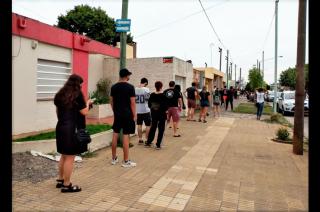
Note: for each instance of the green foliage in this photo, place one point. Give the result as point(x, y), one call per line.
point(248, 87)
point(279, 119)
point(92, 129)
point(102, 93)
point(268, 87)
point(288, 77)
point(283, 134)
point(92, 22)
point(276, 117)
point(251, 109)
point(255, 79)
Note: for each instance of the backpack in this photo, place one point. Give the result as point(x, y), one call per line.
point(216, 97)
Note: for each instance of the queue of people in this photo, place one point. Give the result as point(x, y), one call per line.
point(131, 106)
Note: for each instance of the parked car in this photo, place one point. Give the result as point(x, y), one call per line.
point(286, 103)
point(270, 96)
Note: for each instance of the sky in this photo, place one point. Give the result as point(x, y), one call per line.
point(180, 28)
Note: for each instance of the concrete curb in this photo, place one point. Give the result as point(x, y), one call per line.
point(99, 141)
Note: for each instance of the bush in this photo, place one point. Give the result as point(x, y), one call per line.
point(276, 117)
point(102, 93)
point(283, 134)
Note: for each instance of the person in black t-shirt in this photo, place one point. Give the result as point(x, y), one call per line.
point(205, 102)
point(224, 95)
point(230, 95)
point(191, 96)
point(174, 102)
point(123, 104)
point(71, 110)
point(158, 105)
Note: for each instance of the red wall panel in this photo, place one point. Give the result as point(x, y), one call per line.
point(80, 67)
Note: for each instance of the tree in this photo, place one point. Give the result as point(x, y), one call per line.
point(268, 87)
point(300, 87)
point(288, 77)
point(248, 87)
point(91, 22)
point(255, 79)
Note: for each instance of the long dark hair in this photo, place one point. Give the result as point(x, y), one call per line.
point(66, 96)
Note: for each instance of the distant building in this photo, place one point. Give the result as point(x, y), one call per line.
point(209, 77)
point(164, 69)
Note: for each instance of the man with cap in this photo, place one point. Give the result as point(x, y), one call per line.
point(123, 104)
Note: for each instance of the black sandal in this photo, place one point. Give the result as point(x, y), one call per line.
point(70, 188)
point(59, 183)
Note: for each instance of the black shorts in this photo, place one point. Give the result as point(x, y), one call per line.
point(126, 124)
point(144, 117)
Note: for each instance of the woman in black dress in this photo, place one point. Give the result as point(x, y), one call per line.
point(71, 111)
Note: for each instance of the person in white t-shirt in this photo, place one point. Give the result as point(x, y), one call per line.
point(259, 102)
point(143, 111)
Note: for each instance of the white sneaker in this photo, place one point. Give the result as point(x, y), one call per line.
point(129, 164)
point(114, 161)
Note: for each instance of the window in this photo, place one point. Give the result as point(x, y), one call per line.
point(51, 76)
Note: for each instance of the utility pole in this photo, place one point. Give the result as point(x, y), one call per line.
point(299, 96)
point(227, 72)
point(240, 79)
point(258, 64)
point(123, 49)
point(230, 70)
point(262, 65)
point(220, 50)
point(275, 59)
point(235, 73)
point(123, 36)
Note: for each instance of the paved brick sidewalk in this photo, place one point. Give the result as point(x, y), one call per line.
point(226, 164)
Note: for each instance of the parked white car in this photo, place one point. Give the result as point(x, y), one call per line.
point(270, 96)
point(286, 102)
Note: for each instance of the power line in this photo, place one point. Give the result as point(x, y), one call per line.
point(212, 25)
point(267, 36)
point(179, 19)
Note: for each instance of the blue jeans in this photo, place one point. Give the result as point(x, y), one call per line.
point(259, 109)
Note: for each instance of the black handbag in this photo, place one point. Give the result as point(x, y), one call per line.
point(82, 136)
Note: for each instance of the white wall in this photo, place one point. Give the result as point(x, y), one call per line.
point(95, 70)
point(151, 68)
point(30, 115)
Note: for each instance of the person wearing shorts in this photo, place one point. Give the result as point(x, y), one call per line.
point(191, 98)
point(216, 103)
point(204, 104)
point(143, 111)
point(123, 104)
point(174, 103)
point(224, 95)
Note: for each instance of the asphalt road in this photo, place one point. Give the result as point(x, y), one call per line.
point(290, 118)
